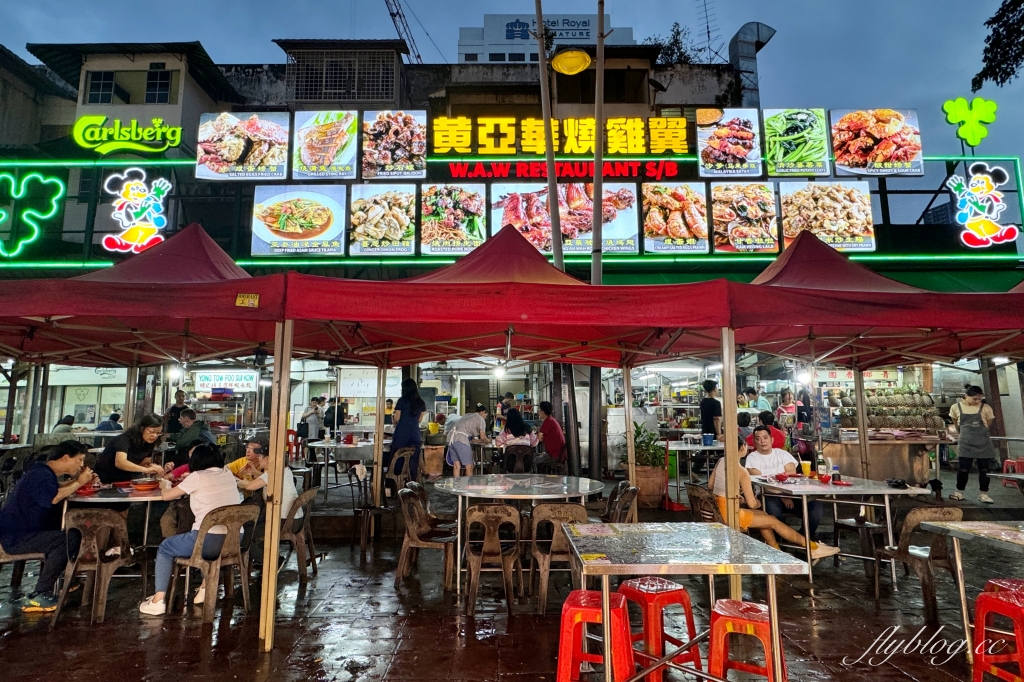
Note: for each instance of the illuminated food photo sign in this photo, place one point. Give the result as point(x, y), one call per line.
point(796, 142)
point(675, 217)
point(139, 209)
point(743, 217)
point(394, 144)
point(325, 145)
point(239, 146)
point(92, 132)
point(876, 142)
point(979, 204)
point(298, 220)
point(382, 220)
point(837, 213)
point(728, 143)
point(453, 219)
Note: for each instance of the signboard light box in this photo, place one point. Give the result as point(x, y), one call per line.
point(240, 382)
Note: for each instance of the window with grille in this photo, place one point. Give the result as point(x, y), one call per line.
point(101, 87)
point(158, 87)
point(517, 56)
point(324, 75)
point(471, 56)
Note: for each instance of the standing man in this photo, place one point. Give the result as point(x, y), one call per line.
point(769, 461)
point(551, 433)
point(460, 448)
point(972, 418)
point(755, 400)
point(501, 412)
point(711, 409)
point(28, 524)
point(172, 423)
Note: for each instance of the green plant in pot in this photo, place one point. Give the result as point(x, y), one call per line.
point(650, 465)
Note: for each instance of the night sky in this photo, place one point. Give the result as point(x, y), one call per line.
point(869, 53)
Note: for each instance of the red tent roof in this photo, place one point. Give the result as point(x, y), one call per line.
point(506, 257)
point(189, 257)
point(809, 263)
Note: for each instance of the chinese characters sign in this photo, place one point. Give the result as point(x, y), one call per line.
point(509, 136)
point(240, 382)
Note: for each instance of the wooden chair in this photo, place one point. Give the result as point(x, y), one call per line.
point(301, 540)
point(705, 510)
point(234, 517)
point(519, 459)
point(102, 530)
point(557, 548)
point(492, 549)
point(922, 560)
point(19, 563)
point(419, 535)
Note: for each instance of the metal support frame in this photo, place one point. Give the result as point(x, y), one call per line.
point(862, 422)
point(627, 402)
point(732, 453)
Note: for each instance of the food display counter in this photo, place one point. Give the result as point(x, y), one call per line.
point(909, 459)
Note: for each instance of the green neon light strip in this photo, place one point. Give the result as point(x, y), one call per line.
point(109, 163)
point(44, 264)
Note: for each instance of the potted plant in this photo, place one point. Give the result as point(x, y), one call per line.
point(650, 465)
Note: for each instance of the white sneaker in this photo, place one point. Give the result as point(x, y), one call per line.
point(200, 595)
point(957, 496)
point(153, 608)
point(986, 499)
point(823, 551)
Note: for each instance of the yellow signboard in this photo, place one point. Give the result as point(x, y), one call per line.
point(247, 301)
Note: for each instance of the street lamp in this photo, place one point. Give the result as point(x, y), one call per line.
point(570, 61)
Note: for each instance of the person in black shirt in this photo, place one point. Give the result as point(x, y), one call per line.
point(131, 453)
point(711, 409)
point(171, 422)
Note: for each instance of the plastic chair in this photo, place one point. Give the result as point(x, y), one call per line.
point(624, 506)
point(231, 554)
point(435, 521)
point(398, 481)
point(102, 530)
point(519, 459)
point(19, 563)
point(419, 535)
point(1012, 466)
point(1004, 585)
point(609, 505)
point(492, 549)
point(1009, 604)
point(294, 444)
point(301, 540)
point(652, 595)
point(582, 607)
point(738, 617)
point(922, 560)
point(557, 548)
point(705, 510)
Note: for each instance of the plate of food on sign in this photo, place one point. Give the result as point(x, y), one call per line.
point(729, 142)
point(877, 142)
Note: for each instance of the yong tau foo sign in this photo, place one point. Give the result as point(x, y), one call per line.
point(94, 132)
point(241, 382)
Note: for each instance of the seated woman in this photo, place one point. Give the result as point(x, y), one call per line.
point(131, 453)
point(209, 486)
point(516, 432)
point(753, 516)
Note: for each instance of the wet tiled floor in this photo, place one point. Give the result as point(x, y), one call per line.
point(349, 623)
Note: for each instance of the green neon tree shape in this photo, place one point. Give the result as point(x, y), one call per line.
point(56, 189)
point(971, 117)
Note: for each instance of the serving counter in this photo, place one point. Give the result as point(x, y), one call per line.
point(907, 459)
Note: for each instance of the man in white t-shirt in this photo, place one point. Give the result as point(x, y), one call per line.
point(769, 461)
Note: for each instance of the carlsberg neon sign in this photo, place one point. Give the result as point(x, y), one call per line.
point(91, 132)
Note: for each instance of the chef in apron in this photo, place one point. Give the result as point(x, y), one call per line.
point(972, 419)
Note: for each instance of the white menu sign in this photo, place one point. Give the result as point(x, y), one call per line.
point(241, 382)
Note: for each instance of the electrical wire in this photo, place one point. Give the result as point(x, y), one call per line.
point(409, 5)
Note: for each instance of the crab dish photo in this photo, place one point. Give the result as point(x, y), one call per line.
point(227, 143)
point(872, 137)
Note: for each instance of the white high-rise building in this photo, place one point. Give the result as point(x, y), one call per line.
point(508, 37)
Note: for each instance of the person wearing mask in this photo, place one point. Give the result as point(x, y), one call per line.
point(131, 453)
point(767, 460)
point(711, 409)
point(171, 422)
point(311, 418)
point(29, 521)
point(209, 486)
point(194, 432)
point(753, 516)
point(755, 400)
point(112, 423)
point(389, 411)
point(551, 434)
point(501, 412)
point(766, 418)
point(64, 425)
point(460, 448)
point(406, 417)
point(972, 418)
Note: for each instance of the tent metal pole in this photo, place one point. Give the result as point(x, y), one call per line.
point(280, 397)
point(44, 396)
point(862, 422)
point(730, 428)
point(130, 394)
point(378, 435)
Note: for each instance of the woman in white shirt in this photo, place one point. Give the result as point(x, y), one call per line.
point(209, 485)
point(972, 419)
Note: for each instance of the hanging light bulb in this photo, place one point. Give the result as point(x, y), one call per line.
point(175, 373)
point(499, 370)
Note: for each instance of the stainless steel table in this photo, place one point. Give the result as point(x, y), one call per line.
point(861, 487)
point(689, 448)
point(512, 487)
point(709, 549)
point(362, 452)
point(1006, 536)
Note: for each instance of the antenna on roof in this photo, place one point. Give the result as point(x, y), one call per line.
point(711, 50)
point(402, 26)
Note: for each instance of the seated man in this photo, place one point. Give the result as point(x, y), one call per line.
point(28, 524)
point(769, 461)
point(112, 423)
point(551, 434)
point(766, 418)
point(194, 431)
point(248, 468)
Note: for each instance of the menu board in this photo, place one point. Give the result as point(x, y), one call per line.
point(675, 217)
point(796, 142)
point(876, 142)
point(298, 219)
point(526, 207)
point(729, 143)
point(838, 213)
point(453, 218)
point(394, 144)
point(744, 217)
point(382, 220)
point(325, 145)
point(239, 146)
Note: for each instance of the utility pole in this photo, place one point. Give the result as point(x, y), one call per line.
point(549, 146)
point(594, 454)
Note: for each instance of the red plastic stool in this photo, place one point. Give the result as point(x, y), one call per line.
point(1011, 466)
point(1005, 585)
point(580, 608)
point(653, 595)
point(731, 616)
point(1009, 605)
